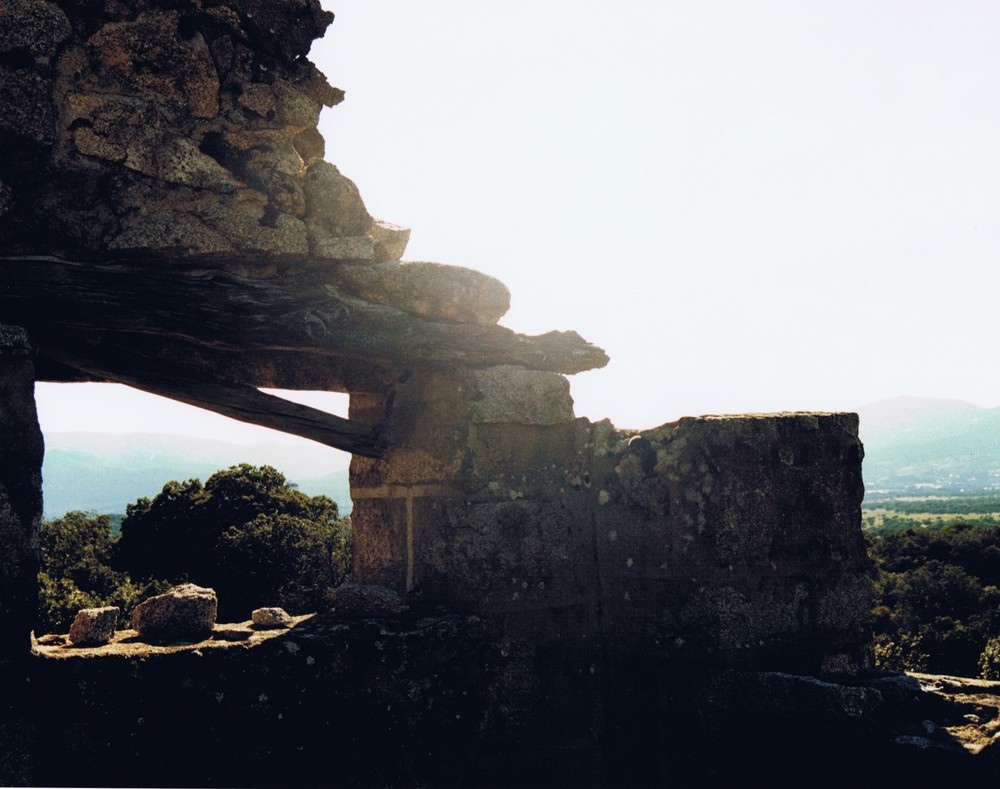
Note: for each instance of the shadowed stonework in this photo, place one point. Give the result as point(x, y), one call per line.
point(542, 600)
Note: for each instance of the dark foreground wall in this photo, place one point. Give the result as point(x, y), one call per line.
point(20, 514)
point(435, 699)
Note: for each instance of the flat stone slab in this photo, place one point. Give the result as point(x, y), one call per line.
point(128, 643)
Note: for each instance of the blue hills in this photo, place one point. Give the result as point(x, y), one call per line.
point(99, 472)
point(923, 446)
point(913, 446)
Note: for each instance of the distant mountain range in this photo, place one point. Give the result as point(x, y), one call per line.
point(913, 446)
point(923, 446)
point(102, 473)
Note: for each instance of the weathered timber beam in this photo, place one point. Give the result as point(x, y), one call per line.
point(244, 403)
point(257, 368)
point(304, 312)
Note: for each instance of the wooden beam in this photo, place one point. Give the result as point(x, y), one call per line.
point(244, 403)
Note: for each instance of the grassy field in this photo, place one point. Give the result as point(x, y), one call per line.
point(929, 512)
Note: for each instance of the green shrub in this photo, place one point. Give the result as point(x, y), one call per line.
point(989, 660)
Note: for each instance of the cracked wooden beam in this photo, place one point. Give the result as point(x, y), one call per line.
point(244, 403)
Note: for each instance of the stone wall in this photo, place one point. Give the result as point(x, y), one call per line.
point(578, 592)
point(180, 129)
point(20, 516)
point(430, 698)
point(20, 493)
point(733, 540)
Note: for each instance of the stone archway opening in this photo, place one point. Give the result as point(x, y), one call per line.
point(109, 446)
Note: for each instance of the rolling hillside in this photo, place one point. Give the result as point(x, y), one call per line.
point(923, 446)
point(102, 473)
point(913, 446)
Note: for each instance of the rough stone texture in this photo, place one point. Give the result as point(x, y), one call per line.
point(94, 626)
point(183, 612)
point(430, 290)
point(123, 123)
point(726, 541)
point(441, 699)
point(629, 602)
point(270, 618)
point(390, 240)
point(20, 516)
point(354, 600)
point(20, 493)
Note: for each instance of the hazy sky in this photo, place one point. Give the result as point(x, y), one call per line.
point(750, 206)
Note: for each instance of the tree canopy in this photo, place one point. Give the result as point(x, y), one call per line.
point(75, 572)
point(246, 532)
point(938, 602)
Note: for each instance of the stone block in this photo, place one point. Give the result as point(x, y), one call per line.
point(185, 612)
point(94, 626)
point(430, 290)
point(266, 618)
point(33, 26)
point(334, 208)
point(390, 240)
point(359, 600)
point(149, 56)
point(513, 395)
point(347, 248)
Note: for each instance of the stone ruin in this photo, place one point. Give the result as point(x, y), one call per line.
point(601, 605)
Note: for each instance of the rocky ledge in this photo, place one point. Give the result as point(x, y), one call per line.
point(127, 643)
point(435, 698)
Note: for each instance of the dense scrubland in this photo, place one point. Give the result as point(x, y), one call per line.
point(246, 532)
point(937, 561)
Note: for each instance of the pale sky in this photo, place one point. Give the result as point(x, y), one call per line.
point(751, 206)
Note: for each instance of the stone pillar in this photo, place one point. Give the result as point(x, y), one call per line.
point(468, 502)
point(21, 450)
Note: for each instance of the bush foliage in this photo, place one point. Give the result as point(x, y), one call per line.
point(247, 533)
point(938, 602)
point(75, 571)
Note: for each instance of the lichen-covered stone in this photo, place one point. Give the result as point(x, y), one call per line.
point(184, 612)
point(728, 541)
point(6, 198)
point(155, 55)
point(25, 97)
point(94, 626)
point(513, 395)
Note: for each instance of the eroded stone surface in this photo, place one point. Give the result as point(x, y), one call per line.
point(186, 611)
point(357, 600)
point(112, 99)
point(470, 703)
point(730, 541)
point(267, 618)
point(430, 290)
point(21, 450)
point(94, 626)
